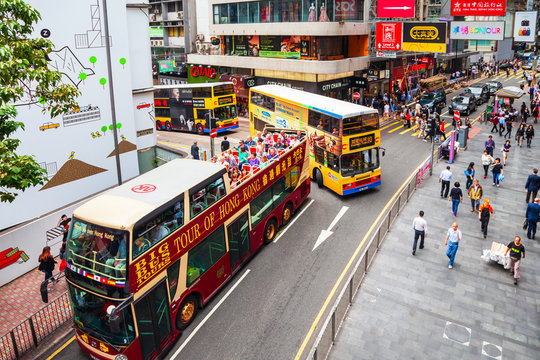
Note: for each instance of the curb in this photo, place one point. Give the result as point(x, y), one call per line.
point(58, 337)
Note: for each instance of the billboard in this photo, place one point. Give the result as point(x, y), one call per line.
point(202, 74)
point(478, 8)
point(477, 30)
point(525, 26)
point(388, 36)
point(394, 9)
point(430, 37)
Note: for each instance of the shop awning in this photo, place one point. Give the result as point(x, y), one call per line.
point(510, 92)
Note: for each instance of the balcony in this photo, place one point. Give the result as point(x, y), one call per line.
point(296, 28)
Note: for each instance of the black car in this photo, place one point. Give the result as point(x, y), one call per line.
point(464, 103)
point(493, 86)
point(431, 99)
point(505, 65)
point(481, 91)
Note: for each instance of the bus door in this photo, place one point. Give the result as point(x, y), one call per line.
point(154, 321)
point(239, 243)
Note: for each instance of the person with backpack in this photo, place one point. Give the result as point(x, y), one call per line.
point(469, 173)
point(485, 210)
point(47, 263)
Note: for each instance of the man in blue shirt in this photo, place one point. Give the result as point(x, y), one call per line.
point(532, 185)
point(533, 216)
point(453, 237)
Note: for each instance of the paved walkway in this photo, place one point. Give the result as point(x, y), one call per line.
point(21, 298)
point(414, 307)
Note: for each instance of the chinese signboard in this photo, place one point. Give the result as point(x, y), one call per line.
point(430, 37)
point(388, 36)
point(202, 74)
point(395, 9)
point(525, 26)
point(477, 30)
point(156, 32)
point(166, 66)
point(478, 8)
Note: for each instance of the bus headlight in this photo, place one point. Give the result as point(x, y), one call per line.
point(121, 357)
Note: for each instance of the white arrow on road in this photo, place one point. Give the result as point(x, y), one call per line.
point(325, 234)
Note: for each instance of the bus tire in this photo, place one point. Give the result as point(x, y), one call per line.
point(187, 312)
point(200, 129)
point(158, 125)
point(168, 126)
point(287, 214)
point(318, 178)
point(270, 231)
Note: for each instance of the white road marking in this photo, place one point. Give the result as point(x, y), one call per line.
point(325, 234)
point(292, 222)
point(209, 314)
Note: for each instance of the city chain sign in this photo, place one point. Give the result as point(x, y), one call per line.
point(478, 8)
point(388, 36)
point(477, 30)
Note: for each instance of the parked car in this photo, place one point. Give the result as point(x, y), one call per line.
point(493, 86)
point(432, 99)
point(505, 65)
point(481, 91)
point(464, 103)
point(528, 65)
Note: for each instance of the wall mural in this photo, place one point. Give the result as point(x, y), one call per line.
point(72, 170)
point(94, 37)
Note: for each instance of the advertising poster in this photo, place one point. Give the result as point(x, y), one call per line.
point(181, 105)
point(345, 9)
point(388, 36)
point(525, 26)
point(477, 30)
point(202, 74)
point(308, 47)
point(395, 9)
point(288, 47)
point(478, 8)
point(245, 45)
point(430, 37)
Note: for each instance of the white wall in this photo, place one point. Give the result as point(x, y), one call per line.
point(204, 14)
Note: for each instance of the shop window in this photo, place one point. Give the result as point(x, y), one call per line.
point(223, 14)
point(253, 12)
point(233, 13)
point(243, 13)
point(206, 254)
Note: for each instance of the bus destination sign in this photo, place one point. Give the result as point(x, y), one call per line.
point(362, 141)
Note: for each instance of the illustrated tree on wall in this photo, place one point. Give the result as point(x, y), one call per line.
point(24, 60)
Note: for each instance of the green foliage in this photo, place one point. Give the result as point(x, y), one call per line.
point(23, 63)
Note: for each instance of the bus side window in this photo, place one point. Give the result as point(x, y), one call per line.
point(172, 276)
point(202, 198)
point(206, 254)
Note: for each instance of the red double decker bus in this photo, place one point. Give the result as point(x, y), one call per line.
point(144, 257)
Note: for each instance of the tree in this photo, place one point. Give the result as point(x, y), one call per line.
point(23, 66)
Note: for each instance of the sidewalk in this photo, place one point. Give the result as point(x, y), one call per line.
point(414, 307)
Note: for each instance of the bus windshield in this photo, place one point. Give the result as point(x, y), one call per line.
point(359, 162)
point(225, 89)
point(361, 123)
point(98, 250)
point(90, 315)
point(225, 112)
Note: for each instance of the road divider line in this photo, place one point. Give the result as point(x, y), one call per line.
point(292, 222)
point(209, 314)
point(348, 266)
point(399, 127)
point(406, 131)
point(392, 124)
point(61, 348)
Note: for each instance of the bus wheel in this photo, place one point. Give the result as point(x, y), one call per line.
point(158, 125)
point(287, 214)
point(318, 178)
point(270, 231)
point(200, 129)
point(168, 126)
point(187, 312)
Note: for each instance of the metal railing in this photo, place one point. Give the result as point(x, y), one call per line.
point(32, 331)
point(334, 320)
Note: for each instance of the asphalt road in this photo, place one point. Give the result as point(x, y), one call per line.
point(268, 308)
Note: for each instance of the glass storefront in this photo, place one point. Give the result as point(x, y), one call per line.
point(288, 11)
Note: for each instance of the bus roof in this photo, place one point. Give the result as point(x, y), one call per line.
point(176, 86)
point(337, 108)
point(124, 205)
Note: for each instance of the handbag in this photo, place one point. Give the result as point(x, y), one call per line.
point(63, 264)
point(500, 177)
point(525, 224)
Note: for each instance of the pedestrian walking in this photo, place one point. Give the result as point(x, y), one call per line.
point(495, 122)
point(506, 150)
point(453, 237)
point(456, 196)
point(442, 129)
point(469, 174)
point(489, 145)
point(509, 125)
point(225, 144)
point(517, 251)
point(195, 151)
point(497, 171)
point(532, 185)
point(444, 179)
point(64, 223)
point(485, 211)
point(533, 216)
point(487, 160)
point(46, 263)
point(420, 230)
point(529, 134)
point(475, 194)
point(520, 133)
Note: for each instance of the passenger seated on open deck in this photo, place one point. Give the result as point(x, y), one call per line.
point(242, 156)
point(245, 174)
point(249, 142)
point(259, 136)
point(260, 146)
point(264, 162)
point(253, 160)
point(279, 144)
point(268, 142)
point(272, 154)
point(234, 180)
point(299, 135)
point(293, 141)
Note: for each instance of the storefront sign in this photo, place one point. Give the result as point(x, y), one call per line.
point(294, 84)
point(360, 82)
point(386, 54)
point(429, 37)
point(280, 54)
point(166, 66)
point(525, 26)
point(345, 9)
point(477, 30)
point(388, 36)
point(478, 8)
point(202, 74)
point(156, 32)
point(395, 9)
point(334, 85)
point(145, 132)
point(361, 141)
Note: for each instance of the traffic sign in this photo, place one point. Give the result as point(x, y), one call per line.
point(356, 96)
point(213, 133)
point(456, 115)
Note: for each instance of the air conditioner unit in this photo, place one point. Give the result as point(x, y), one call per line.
point(180, 15)
point(153, 17)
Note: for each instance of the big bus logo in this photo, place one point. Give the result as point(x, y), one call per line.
point(143, 188)
point(197, 71)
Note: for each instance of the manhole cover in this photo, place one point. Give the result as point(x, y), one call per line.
point(491, 350)
point(457, 333)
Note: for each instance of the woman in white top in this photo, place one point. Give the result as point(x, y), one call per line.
point(487, 160)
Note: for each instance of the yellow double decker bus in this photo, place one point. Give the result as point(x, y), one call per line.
point(344, 138)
